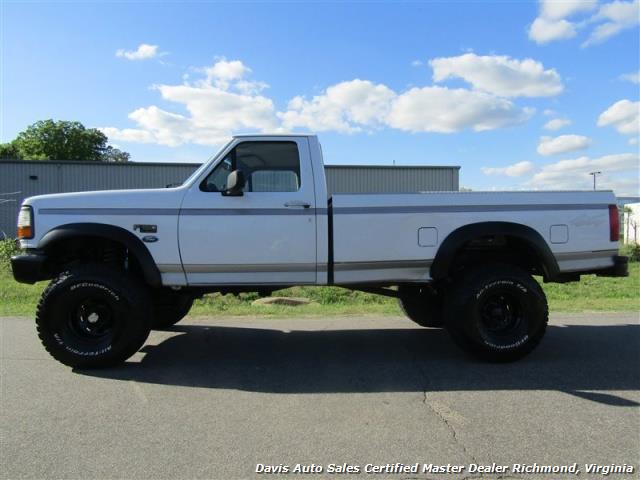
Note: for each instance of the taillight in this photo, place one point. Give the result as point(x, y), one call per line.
point(614, 223)
point(25, 223)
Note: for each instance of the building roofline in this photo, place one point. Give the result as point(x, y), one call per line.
point(120, 164)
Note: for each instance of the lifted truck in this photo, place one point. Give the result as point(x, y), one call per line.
point(257, 217)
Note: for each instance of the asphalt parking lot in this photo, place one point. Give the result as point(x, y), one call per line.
point(216, 396)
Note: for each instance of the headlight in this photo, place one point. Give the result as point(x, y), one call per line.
point(26, 228)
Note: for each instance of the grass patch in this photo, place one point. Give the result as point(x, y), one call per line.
point(325, 301)
point(8, 247)
point(593, 293)
point(18, 298)
point(590, 294)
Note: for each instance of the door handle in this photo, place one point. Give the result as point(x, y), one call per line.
point(297, 204)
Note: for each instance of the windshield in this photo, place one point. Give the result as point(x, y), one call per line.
point(200, 169)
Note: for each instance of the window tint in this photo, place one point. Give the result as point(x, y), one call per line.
point(267, 167)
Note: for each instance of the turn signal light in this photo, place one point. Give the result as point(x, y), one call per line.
point(25, 232)
point(25, 223)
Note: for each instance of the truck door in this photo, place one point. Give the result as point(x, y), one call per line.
point(265, 236)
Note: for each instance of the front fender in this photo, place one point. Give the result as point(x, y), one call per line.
point(110, 232)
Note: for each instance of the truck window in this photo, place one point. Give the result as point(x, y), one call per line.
point(267, 167)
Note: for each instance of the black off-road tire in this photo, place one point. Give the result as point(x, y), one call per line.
point(496, 312)
point(422, 304)
point(93, 316)
point(169, 308)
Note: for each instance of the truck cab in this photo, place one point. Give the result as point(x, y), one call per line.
point(271, 229)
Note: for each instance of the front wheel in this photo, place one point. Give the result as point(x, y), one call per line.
point(93, 316)
point(497, 312)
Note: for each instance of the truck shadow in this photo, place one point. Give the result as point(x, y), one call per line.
point(587, 361)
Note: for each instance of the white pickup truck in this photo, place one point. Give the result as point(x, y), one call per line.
point(257, 217)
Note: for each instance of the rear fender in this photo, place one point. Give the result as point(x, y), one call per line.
point(458, 238)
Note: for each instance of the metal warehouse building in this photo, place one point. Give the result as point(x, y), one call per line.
point(21, 179)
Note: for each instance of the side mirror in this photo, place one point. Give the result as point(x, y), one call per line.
point(235, 184)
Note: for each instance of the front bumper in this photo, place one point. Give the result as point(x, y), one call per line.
point(29, 267)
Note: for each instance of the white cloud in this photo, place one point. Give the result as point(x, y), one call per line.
point(556, 20)
point(556, 124)
point(344, 107)
point(515, 170)
point(619, 173)
point(633, 141)
point(562, 144)
point(143, 52)
point(444, 110)
point(227, 70)
point(166, 128)
point(631, 77)
point(551, 23)
point(543, 30)
point(500, 75)
point(623, 115)
point(620, 184)
point(224, 100)
point(558, 9)
point(249, 87)
point(218, 106)
point(617, 16)
point(359, 105)
point(417, 63)
point(548, 112)
point(223, 72)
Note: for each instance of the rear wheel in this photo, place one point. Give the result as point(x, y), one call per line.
point(422, 304)
point(497, 312)
point(93, 316)
point(169, 308)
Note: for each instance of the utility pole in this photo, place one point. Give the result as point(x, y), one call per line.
point(595, 174)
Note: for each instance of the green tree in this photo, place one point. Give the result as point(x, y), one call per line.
point(112, 154)
point(9, 151)
point(62, 140)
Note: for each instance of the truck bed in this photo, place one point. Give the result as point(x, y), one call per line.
point(395, 237)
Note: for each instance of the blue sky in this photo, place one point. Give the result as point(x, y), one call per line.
point(473, 84)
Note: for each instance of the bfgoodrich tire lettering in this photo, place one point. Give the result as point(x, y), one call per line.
point(497, 312)
point(93, 316)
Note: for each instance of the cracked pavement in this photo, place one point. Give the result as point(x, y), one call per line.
point(215, 396)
